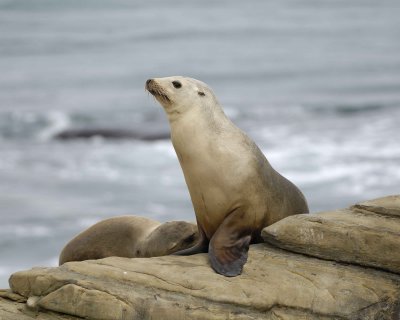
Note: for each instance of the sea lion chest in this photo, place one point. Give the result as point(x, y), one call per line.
point(208, 156)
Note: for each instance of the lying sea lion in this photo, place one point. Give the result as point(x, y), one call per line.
point(129, 236)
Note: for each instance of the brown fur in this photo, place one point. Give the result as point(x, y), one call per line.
point(129, 236)
point(234, 190)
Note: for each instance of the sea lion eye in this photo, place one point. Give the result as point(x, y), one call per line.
point(176, 84)
point(201, 93)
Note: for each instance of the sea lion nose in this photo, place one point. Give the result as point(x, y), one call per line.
point(148, 82)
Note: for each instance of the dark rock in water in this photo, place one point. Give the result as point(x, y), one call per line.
point(72, 134)
point(350, 109)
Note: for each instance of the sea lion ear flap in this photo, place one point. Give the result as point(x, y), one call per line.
point(201, 93)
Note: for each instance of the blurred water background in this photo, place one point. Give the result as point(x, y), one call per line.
point(315, 83)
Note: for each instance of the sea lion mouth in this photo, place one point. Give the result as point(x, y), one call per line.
point(157, 91)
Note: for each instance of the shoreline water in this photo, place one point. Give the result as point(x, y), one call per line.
point(316, 86)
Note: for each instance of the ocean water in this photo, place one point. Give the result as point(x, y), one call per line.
point(315, 83)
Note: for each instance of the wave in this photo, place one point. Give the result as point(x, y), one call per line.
point(111, 133)
point(351, 109)
point(26, 231)
point(45, 126)
point(28, 124)
point(57, 121)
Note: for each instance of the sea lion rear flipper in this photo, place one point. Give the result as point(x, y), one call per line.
point(200, 247)
point(229, 247)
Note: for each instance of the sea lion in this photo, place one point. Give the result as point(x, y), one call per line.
point(129, 236)
point(234, 190)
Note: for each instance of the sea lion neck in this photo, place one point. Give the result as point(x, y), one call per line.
point(210, 118)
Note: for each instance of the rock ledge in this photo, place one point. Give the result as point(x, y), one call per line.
point(290, 282)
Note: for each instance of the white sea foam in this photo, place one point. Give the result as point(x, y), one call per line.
point(157, 208)
point(232, 113)
point(87, 222)
point(57, 121)
point(165, 147)
point(4, 271)
point(26, 231)
point(52, 262)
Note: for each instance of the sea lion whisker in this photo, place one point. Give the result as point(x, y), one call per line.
point(158, 92)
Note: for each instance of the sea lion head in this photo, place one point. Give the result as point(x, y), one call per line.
point(179, 94)
point(169, 237)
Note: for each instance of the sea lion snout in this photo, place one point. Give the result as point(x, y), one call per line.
point(157, 91)
point(148, 83)
point(150, 86)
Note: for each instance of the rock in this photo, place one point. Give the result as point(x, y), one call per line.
point(367, 234)
point(274, 285)
point(145, 135)
point(12, 310)
point(8, 294)
point(389, 205)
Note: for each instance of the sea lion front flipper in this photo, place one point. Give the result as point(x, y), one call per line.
point(200, 247)
point(229, 247)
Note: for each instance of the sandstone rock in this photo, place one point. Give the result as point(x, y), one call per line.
point(8, 294)
point(274, 285)
point(12, 310)
point(367, 234)
point(389, 205)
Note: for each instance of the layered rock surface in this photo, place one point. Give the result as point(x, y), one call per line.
point(275, 284)
point(13, 310)
point(367, 234)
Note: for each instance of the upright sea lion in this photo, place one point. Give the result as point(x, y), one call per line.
point(234, 190)
point(129, 236)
